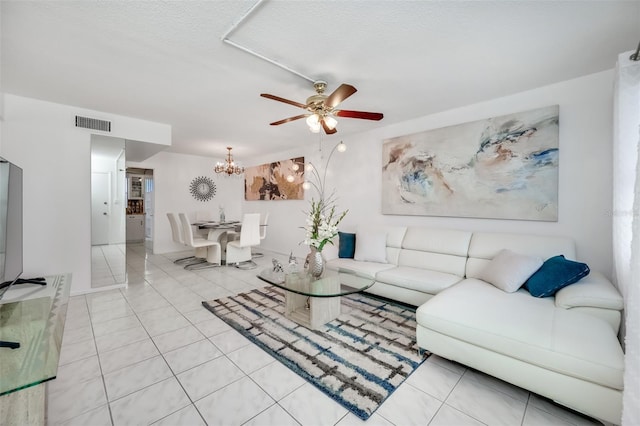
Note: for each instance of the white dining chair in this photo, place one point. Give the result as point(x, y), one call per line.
point(239, 251)
point(176, 236)
point(264, 219)
point(204, 248)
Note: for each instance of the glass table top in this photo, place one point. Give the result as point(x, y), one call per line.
point(331, 284)
point(33, 316)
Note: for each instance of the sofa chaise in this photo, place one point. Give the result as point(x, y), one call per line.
point(563, 347)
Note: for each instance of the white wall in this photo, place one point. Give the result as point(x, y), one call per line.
point(55, 157)
point(172, 175)
point(584, 182)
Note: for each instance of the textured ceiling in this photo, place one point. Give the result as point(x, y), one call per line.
point(166, 62)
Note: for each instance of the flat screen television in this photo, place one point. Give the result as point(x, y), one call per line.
point(10, 224)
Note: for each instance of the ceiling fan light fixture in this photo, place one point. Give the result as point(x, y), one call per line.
point(330, 122)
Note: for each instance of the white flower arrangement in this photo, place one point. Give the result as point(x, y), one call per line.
point(322, 221)
point(322, 224)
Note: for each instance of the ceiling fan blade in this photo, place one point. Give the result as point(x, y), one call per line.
point(326, 128)
point(286, 120)
point(358, 114)
point(339, 95)
point(286, 101)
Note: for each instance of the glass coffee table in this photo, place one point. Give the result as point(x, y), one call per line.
point(313, 302)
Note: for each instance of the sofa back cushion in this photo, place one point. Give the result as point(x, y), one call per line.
point(443, 250)
point(394, 237)
point(485, 245)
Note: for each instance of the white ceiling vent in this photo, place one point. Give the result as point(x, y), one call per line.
point(93, 123)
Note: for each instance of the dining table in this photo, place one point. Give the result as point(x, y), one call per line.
point(222, 232)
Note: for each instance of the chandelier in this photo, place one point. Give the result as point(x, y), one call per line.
point(228, 167)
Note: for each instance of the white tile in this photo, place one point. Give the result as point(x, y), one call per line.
point(250, 358)
point(147, 305)
point(126, 355)
point(199, 315)
point(95, 306)
point(188, 416)
point(213, 326)
point(97, 417)
point(76, 351)
point(177, 338)
point(209, 377)
point(77, 320)
point(277, 380)
point(274, 415)
point(109, 314)
point(135, 377)
point(409, 406)
point(485, 403)
point(497, 384)
point(449, 365)
point(75, 400)
point(448, 416)
point(160, 326)
point(375, 420)
point(113, 326)
point(225, 408)
point(434, 380)
point(192, 355)
point(122, 338)
point(149, 404)
point(229, 341)
point(536, 417)
point(75, 372)
point(560, 411)
point(323, 410)
point(158, 313)
point(77, 335)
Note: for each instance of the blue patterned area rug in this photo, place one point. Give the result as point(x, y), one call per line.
point(358, 359)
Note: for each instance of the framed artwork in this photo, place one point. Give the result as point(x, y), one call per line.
point(502, 168)
point(281, 180)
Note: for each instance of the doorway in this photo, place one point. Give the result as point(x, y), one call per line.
point(140, 206)
point(108, 250)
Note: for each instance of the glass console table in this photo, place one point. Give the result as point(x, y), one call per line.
point(33, 316)
point(314, 302)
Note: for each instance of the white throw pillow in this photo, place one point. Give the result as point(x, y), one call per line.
point(371, 246)
point(509, 270)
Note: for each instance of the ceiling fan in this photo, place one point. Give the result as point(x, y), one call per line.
point(321, 108)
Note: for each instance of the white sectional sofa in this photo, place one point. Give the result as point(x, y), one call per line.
point(563, 347)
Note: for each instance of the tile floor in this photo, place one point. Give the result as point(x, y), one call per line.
point(151, 354)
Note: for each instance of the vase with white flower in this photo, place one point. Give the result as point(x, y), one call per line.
point(322, 219)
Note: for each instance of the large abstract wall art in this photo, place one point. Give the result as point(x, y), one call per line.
point(281, 180)
point(503, 168)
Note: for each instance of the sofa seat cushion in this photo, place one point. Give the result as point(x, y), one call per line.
point(367, 268)
point(418, 279)
point(530, 329)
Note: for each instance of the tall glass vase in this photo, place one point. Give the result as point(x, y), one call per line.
point(315, 262)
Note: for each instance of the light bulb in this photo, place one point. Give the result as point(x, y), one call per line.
point(295, 167)
point(341, 147)
point(290, 178)
point(309, 167)
point(306, 185)
point(330, 122)
point(313, 120)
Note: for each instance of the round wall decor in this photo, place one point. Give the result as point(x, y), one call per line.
point(202, 188)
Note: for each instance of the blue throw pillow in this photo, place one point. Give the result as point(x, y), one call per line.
point(346, 245)
point(554, 274)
